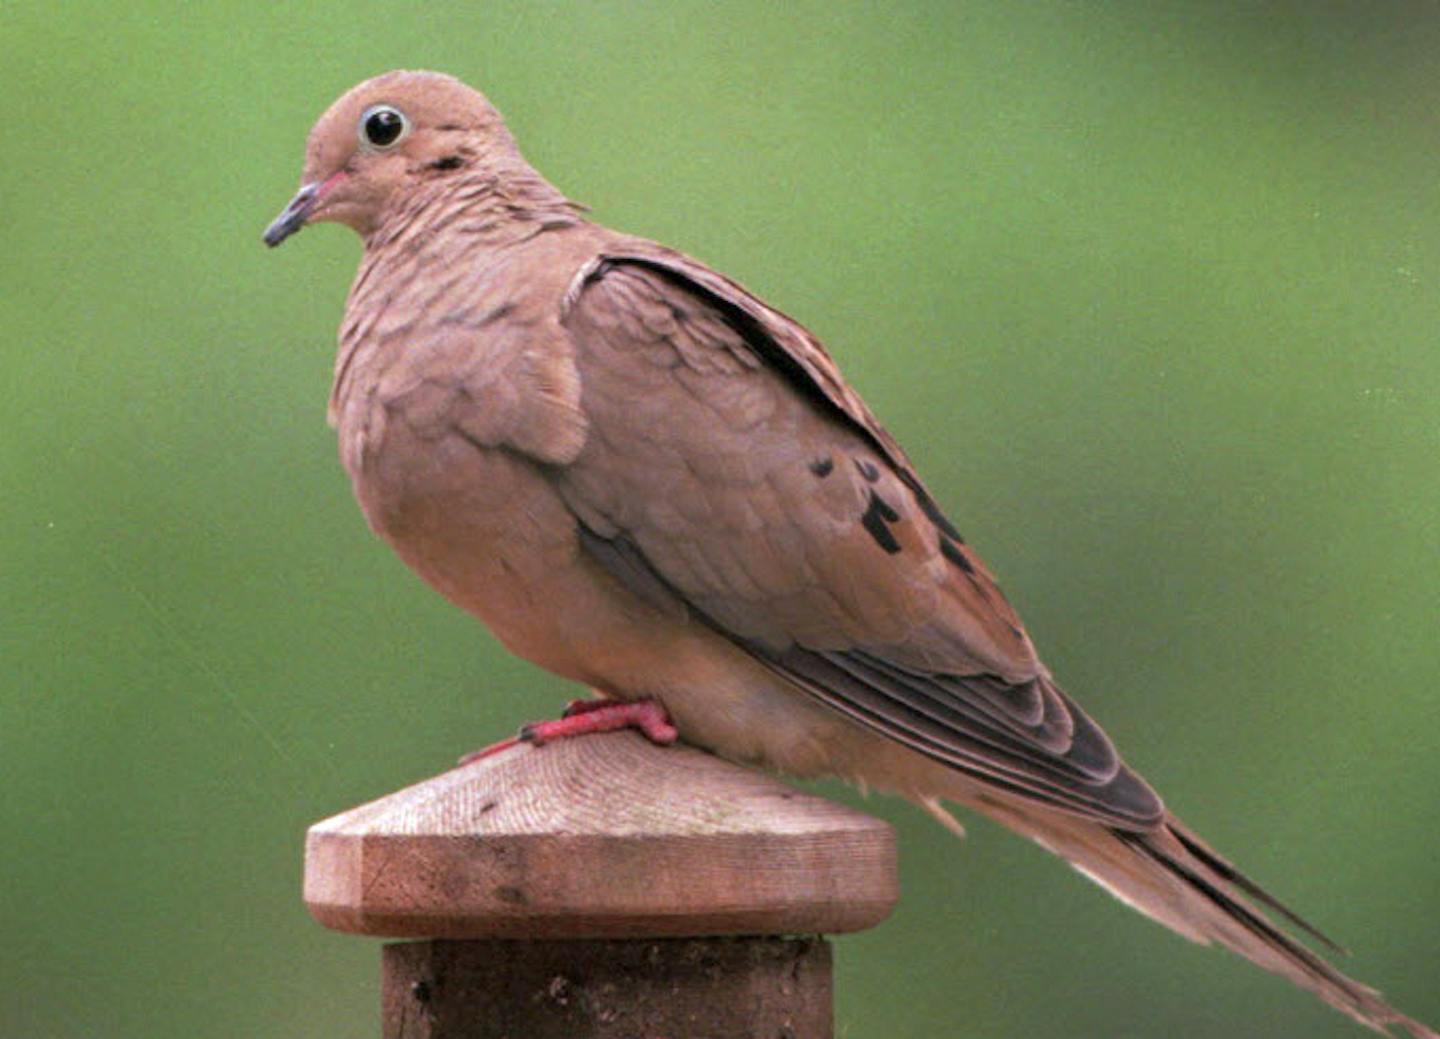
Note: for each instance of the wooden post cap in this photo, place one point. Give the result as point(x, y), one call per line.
point(603, 836)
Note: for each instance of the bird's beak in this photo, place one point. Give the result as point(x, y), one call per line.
point(294, 216)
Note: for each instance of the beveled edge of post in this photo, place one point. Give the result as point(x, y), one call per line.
point(596, 837)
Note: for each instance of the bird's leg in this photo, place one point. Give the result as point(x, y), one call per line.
point(582, 717)
point(586, 716)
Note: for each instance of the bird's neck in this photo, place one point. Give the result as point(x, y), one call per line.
point(467, 221)
point(493, 206)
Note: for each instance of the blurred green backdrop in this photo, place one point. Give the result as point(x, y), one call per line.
point(1149, 290)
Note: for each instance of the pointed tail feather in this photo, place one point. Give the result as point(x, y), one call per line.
point(1173, 876)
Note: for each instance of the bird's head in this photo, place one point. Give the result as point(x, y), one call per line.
point(381, 138)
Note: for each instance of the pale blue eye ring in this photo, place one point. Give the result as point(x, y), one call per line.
point(382, 126)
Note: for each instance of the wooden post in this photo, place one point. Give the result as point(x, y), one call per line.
point(602, 888)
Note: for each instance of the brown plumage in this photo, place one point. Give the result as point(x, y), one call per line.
point(641, 477)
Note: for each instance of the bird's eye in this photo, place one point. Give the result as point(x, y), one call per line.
point(381, 126)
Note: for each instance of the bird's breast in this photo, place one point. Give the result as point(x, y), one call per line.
point(476, 523)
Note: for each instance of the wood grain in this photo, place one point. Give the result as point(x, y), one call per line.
point(596, 837)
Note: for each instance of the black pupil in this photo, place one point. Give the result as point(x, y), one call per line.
point(383, 127)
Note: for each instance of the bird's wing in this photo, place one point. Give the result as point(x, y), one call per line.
point(731, 471)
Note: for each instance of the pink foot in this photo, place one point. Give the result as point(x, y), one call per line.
point(586, 716)
point(582, 717)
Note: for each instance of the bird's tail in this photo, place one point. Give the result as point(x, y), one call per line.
point(1173, 876)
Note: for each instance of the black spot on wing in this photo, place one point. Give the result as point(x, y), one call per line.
point(876, 521)
point(933, 513)
point(956, 555)
point(737, 313)
point(822, 467)
point(867, 469)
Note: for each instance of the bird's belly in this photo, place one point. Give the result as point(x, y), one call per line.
point(486, 529)
point(490, 533)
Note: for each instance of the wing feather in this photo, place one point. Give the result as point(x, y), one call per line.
point(731, 472)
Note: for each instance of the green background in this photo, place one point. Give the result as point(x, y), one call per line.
point(1149, 291)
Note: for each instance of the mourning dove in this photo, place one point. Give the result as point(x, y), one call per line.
point(641, 477)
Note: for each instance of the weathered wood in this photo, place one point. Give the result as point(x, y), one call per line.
point(706, 988)
point(602, 836)
point(600, 885)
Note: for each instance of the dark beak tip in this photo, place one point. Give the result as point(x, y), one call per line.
point(293, 217)
point(276, 233)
